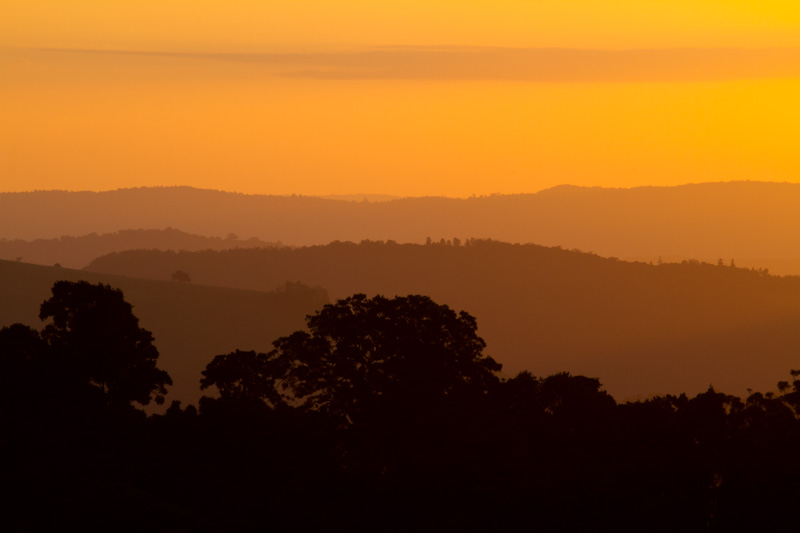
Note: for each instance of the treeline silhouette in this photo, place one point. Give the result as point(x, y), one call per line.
point(384, 414)
point(76, 252)
point(190, 322)
point(756, 223)
point(651, 329)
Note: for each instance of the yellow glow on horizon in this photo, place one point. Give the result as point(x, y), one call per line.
point(101, 123)
point(405, 138)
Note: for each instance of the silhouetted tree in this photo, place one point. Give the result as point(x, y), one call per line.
point(97, 338)
point(363, 356)
point(791, 396)
point(575, 396)
point(180, 275)
point(22, 354)
point(241, 377)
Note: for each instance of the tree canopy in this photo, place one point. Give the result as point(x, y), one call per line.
point(98, 342)
point(390, 401)
point(364, 356)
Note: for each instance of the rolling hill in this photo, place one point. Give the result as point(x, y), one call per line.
point(640, 328)
point(77, 252)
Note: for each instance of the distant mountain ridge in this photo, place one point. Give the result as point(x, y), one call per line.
point(77, 252)
point(640, 328)
point(361, 197)
point(754, 223)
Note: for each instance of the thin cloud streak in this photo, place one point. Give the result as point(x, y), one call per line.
point(543, 65)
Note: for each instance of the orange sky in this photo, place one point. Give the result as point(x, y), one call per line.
point(345, 114)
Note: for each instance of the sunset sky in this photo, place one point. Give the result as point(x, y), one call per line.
point(403, 97)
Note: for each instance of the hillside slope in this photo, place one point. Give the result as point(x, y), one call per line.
point(641, 328)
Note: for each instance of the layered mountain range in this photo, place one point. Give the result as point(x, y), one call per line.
point(755, 224)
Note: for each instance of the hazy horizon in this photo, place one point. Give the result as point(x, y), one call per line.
point(359, 196)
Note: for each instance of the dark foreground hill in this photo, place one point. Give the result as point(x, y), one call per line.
point(641, 328)
point(191, 323)
point(77, 252)
point(756, 224)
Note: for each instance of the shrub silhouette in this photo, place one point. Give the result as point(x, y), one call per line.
point(180, 275)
